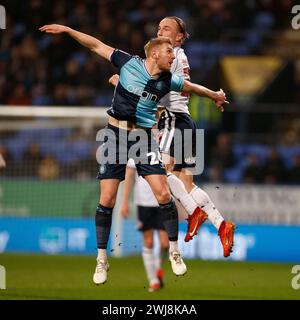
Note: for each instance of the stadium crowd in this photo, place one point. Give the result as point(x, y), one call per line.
point(36, 69)
point(43, 70)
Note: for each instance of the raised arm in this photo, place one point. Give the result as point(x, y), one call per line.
point(219, 97)
point(90, 42)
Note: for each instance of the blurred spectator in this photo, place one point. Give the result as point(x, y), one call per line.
point(274, 170)
point(69, 170)
point(294, 173)
point(89, 167)
point(31, 160)
point(62, 95)
point(19, 96)
point(40, 96)
point(289, 138)
point(253, 172)
point(48, 168)
point(215, 175)
point(221, 154)
point(214, 16)
point(7, 162)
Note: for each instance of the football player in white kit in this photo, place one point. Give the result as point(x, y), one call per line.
point(196, 201)
point(150, 219)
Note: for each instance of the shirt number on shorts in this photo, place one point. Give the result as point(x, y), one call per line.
point(155, 157)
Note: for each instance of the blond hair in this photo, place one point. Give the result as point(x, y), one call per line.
point(154, 42)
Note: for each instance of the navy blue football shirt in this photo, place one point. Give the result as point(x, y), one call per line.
point(138, 93)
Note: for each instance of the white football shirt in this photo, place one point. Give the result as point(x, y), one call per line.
point(178, 101)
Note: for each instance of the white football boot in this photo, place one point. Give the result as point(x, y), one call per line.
point(100, 275)
point(178, 266)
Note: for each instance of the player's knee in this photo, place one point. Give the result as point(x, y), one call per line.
point(148, 243)
point(164, 243)
point(164, 196)
point(108, 201)
point(169, 167)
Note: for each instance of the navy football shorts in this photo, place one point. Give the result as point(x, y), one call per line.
point(120, 145)
point(150, 218)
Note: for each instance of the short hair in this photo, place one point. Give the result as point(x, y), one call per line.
point(181, 26)
point(155, 42)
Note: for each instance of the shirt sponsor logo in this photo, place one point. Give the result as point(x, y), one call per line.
point(145, 95)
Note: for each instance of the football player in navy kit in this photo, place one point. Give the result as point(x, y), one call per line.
point(142, 84)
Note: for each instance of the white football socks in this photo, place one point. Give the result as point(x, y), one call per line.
point(102, 254)
point(173, 246)
point(149, 263)
point(196, 198)
point(205, 203)
point(158, 260)
point(179, 192)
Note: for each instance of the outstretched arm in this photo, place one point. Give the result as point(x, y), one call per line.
point(219, 97)
point(90, 42)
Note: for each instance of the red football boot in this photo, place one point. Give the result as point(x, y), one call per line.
point(226, 233)
point(194, 223)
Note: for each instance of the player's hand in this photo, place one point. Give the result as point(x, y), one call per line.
point(158, 135)
point(2, 162)
point(124, 210)
point(114, 79)
point(54, 28)
point(220, 99)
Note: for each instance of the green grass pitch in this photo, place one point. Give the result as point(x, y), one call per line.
point(70, 277)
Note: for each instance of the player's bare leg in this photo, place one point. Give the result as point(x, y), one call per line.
point(103, 219)
point(161, 191)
